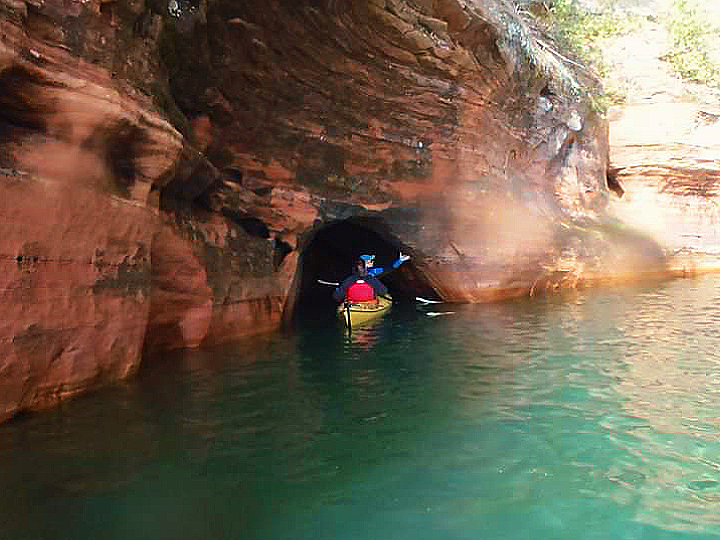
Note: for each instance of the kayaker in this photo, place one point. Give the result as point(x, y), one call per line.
point(360, 287)
point(364, 285)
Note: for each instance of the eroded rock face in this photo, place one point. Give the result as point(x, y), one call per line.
point(165, 164)
point(79, 159)
point(449, 107)
point(75, 290)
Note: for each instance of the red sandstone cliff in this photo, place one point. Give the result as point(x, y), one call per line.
point(170, 172)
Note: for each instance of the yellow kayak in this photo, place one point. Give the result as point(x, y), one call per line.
point(362, 313)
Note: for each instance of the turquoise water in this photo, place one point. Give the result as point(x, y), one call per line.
point(593, 415)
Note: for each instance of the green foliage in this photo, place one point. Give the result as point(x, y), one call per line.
point(580, 31)
point(609, 94)
point(578, 34)
point(693, 34)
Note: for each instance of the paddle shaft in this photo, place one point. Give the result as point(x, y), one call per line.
point(417, 298)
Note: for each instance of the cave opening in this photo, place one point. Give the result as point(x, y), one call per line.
point(329, 253)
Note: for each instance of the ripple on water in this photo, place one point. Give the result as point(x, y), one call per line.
point(595, 415)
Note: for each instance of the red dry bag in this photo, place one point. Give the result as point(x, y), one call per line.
point(360, 293)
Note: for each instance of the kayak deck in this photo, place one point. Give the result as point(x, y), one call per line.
point(362, 313)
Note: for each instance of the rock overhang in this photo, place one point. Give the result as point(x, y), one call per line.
point(446, 128)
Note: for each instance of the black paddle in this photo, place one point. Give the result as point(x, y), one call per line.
point(349, 323)
point(417, 298)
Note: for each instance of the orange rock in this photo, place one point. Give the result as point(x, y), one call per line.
point(201, 132)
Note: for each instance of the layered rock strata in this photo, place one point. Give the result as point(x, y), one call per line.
point(665, 148)
point(165, 165)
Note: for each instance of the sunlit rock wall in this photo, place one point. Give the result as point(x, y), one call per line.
point(670, 174)
point(665, 149)
point(163, 163)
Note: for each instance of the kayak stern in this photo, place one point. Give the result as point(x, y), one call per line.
point(362, 313)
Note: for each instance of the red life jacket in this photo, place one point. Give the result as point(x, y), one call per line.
point(361, 293)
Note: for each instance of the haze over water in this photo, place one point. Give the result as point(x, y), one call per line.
point(591, 415)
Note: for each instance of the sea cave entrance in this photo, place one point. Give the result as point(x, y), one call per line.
point(329, 253)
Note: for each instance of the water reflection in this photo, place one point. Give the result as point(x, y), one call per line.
point(547, 419)
point(613, 394)
point(365, 337)
point(644, 369)
point(667, 385)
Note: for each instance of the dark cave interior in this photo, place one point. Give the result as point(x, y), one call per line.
point(329, 254)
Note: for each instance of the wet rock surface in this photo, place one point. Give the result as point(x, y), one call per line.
point(167, 167)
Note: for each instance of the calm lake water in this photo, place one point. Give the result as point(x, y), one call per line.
point(592, 415)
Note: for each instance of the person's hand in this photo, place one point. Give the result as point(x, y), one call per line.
point(404, 258)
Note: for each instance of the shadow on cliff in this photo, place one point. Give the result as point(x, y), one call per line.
point(329, 254)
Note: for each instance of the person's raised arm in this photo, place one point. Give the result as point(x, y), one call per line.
point(379, 272)
point(401, 259)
